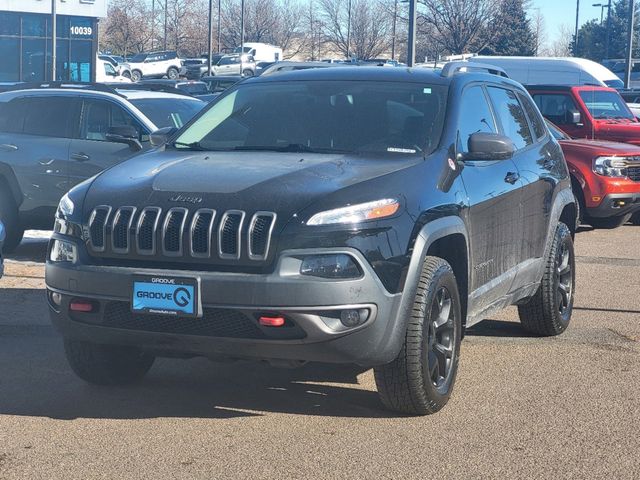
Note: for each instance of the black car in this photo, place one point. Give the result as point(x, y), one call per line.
point(347, 215)
point(217, 84)
point(197, 89)
point(2, 237)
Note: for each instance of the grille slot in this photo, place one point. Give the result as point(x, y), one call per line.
point(98, 227)
point(230, 234)
point(260, 230)
point(216, 322)
point(202, 232)
point(146, 231)
point(172, 231)
point(633, 173)
point(120, 230)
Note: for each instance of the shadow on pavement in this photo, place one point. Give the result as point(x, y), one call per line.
point(498, 328)
point(33, 247)
point(36, 381)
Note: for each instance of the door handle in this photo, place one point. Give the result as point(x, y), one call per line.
point(7, 147)
point(80, 157)
point(512, 177)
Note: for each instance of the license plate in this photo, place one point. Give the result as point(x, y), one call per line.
point(173, 296)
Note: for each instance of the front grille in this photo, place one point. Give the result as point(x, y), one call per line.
point(634, 173)
point(180, 233)
point(216, 322)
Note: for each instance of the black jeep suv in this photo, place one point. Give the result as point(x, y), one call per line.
point(351, 215)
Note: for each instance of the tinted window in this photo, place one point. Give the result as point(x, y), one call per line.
point(49, 116)
point(324, 116)
point(169, 112)
point(556, 132)
point(99, 116)
point(605, 104)
point(557, 107)
point(12, 115)
point(534, 116)
point(511, 116)
point(475, 115)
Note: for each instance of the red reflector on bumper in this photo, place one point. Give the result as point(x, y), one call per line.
point(79, 306)
point(272, 321)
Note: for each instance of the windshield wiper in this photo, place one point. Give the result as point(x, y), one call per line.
point(291, 147)
point(190, 146)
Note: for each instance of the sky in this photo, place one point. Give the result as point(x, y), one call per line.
point(558, 12)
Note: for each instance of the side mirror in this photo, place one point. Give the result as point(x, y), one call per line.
point(161, 136)
point(126, 134)
point(489, 146)
point(574, 117)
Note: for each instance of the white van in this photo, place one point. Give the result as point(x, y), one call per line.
point(262, 52)
point(553, 70)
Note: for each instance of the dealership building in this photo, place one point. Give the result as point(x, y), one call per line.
point(26, 46)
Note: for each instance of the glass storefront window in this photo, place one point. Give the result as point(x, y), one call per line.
point(33, 59)
point(34, 26)
point(9, 24)
point(10, 59)
point(80, 61)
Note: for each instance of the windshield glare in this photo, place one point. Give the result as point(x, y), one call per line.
point(605, 104)
point(140, 57)
point(168, 112)
point(323, 116)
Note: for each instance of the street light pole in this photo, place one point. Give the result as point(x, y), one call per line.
point(627, 77)
point(219, 25)
point(395, 22)
point(153, 22)
point(241, 29)
point(575, 38)
point(606, 42)
point(349, 30)
point(166, 14)
point(210, 38)
point(54, 43)
point(411, 46)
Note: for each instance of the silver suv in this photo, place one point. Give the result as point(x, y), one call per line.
point(54, 138)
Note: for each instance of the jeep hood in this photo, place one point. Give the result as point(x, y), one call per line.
point(284, 183)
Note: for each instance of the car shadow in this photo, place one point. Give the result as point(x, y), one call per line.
point(33, 247)
point(498, 328)
point(36, 381)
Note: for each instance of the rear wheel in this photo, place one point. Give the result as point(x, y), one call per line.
point(10, 218)
point(136, 75)
point(107, 364)
point(548, 312)
point(420, 380)
point(247, 73)
point(609, 222)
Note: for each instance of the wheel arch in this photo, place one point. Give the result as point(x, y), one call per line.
point(8, 181)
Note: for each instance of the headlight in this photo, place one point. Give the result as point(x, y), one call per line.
point(357, 213)
point(610, 166)
point(330, 266)
point(66, 206)
point(62, 251)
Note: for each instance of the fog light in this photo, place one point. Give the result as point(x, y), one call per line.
point(354, 318)
point(62, 251)
point(330, 266)
point(56, 298)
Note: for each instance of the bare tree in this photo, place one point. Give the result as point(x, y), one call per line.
point(539, 31)
point(561, 46)
point(127, 28)
point(369, 30)
point(462, 26)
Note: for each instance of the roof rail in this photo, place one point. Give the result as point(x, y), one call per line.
point(451, 68)
point(149, 87)
point(99, 87)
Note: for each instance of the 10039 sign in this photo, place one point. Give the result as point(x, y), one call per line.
point(81, 31)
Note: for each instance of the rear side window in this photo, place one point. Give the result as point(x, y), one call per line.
point(475, 115)
point(49, 117)
point(534, 116)
point(511, 115)
point(12, 115)
point(557, 107)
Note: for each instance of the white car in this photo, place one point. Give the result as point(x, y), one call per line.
point(155, 65)
point(106, 72)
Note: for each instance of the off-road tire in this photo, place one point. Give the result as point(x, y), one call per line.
point(609, 223)
point(548, 312)
point(405, 385)
point(578, 195)
point(107, 364)
point(136, 75)
point(11, 220)
point(173, 73)
point(126, 74)
point(248, 73)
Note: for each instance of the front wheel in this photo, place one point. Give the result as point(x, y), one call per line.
point(248, 73)
point(420, 380)
point(173, 73)
point(548, 312)
point(136, 75)
point(126, 74)
point(107, 364)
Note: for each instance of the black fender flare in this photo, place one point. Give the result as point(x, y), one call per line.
point(7, 176)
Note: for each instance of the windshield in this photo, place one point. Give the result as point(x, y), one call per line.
point(138, 58)
point(169, 112)
point(605, 104)
point(614, 83)
point(556, 132)
point(194, 88)
point(323, 116)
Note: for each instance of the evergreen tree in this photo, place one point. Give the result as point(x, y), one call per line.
point(514, 35)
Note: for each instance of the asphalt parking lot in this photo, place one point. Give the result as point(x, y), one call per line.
point(523, 407)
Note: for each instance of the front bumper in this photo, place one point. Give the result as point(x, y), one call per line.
point(312, 304)
point(615, 205)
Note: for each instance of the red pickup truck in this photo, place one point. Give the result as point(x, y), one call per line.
point(605, 177)
point(598, 113)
